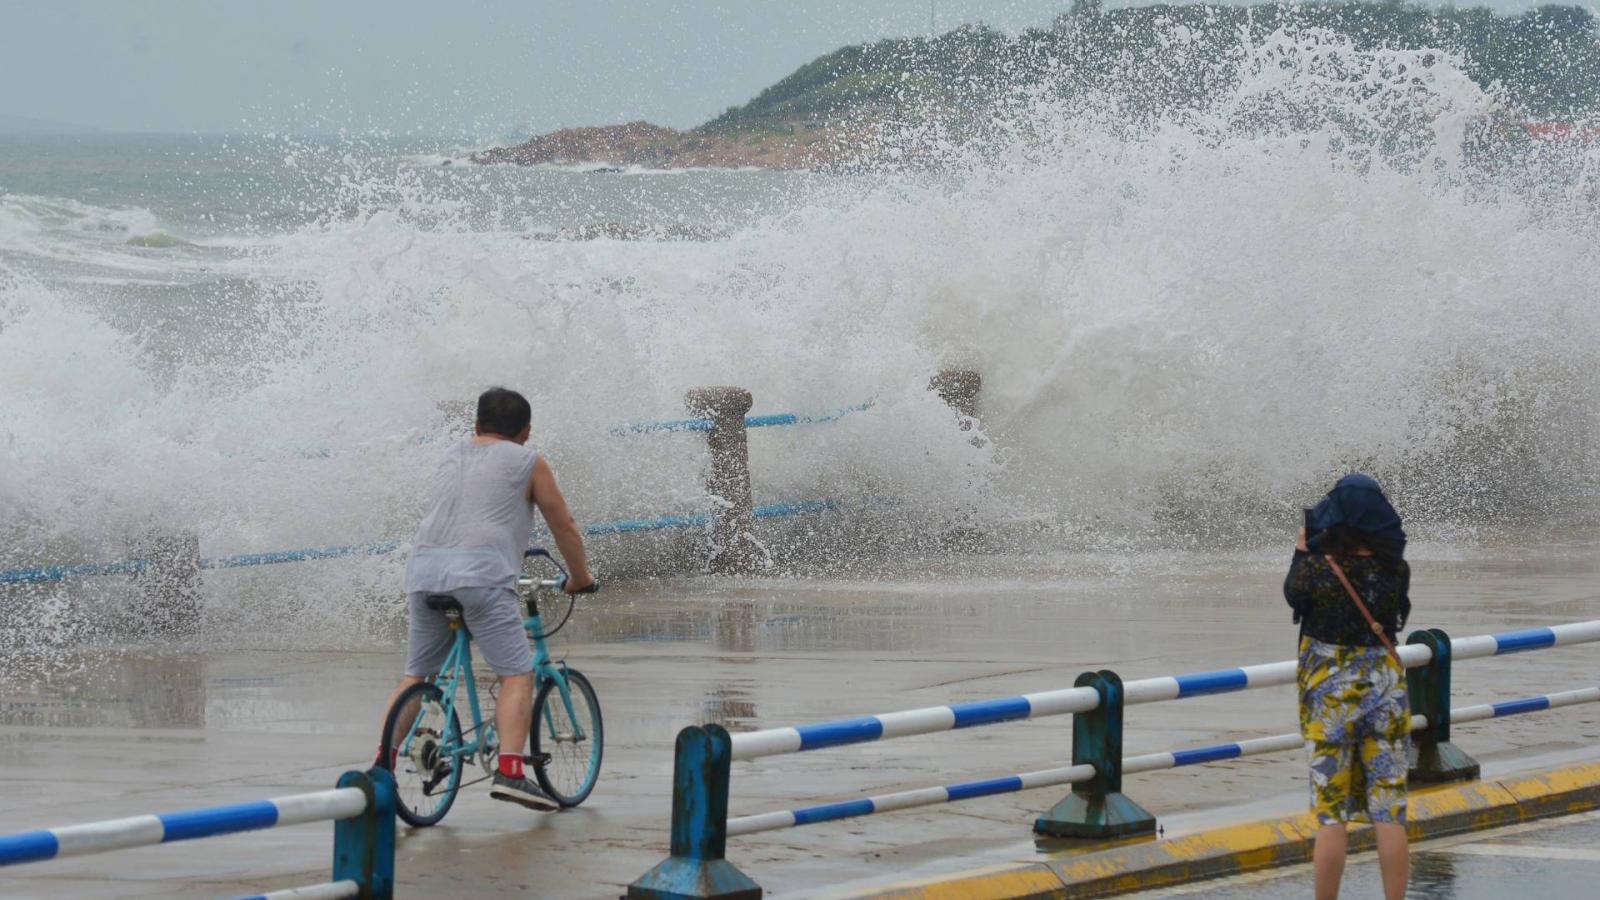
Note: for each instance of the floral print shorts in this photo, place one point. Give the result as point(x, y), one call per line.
point(1356, 719)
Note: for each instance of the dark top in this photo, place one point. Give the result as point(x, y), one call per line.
point(1324, 610)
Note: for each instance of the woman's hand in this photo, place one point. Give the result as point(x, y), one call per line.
point(1300, 542)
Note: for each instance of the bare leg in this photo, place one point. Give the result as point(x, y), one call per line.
point(513, 712)
point(1327, 860)
point(405, 682)
point(1394, 859)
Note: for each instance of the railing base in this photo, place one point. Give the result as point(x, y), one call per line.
point(1095, 816)
point(1441, 763)
point(363, 847)
point(681, 878)
point(1434, 760)
point(697, 867)
point(1097, 808)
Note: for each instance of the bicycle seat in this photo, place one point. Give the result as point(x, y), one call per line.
point(442, 603)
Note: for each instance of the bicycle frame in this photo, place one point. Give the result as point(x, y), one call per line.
point(457, 668)
point(545, 670)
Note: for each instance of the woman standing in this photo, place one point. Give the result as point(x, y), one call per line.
point(1348, 587)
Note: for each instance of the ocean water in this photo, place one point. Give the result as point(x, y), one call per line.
point(1186, 330)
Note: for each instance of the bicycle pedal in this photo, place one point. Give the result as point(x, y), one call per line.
point(429, 785)
point(537, 760)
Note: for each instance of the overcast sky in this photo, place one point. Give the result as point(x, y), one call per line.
point(469, 68)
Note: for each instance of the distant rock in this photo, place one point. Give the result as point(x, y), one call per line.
point(657, 147)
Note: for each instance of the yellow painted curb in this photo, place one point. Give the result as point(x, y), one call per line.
point(1557, 792)
point(1102, 869)
point(991, 883)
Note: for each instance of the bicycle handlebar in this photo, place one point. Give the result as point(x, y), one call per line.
point(526, 581)
point(554, 584)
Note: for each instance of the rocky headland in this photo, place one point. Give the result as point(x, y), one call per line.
point(925, 93)
point(657, 147)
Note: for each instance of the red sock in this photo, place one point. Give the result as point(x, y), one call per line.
point(511, 765)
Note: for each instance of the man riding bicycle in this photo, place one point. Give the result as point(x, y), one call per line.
point(470, 546)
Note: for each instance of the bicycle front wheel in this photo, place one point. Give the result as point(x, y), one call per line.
point(421, 737)
point(567, 726)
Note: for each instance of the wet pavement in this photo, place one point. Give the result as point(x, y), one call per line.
point(129, 730)
point(1551, 860)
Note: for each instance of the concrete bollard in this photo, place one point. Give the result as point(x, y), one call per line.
point(959, 389)
point(1097, 808)
point(697, 867)
point(1434, 760)
point(168, 582)
point(733, 547)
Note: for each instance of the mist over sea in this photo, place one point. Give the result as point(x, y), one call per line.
point(1185, 331)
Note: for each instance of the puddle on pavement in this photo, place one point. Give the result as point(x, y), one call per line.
point(113, 691)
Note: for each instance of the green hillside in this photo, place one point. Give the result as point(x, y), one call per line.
point(1546, 60)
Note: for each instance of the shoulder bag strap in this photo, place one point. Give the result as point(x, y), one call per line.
point(1356, 598)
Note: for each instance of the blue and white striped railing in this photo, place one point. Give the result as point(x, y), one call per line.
point(864, 729)
point(188, 825)
point(362, 806)
point(931, 796)
point(1150, 762)
point(700, 825)
point(929, 720)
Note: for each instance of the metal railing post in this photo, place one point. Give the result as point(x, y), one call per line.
point(696, 868)
point(169, 582)
point(363, 846)
point(958, 388)
point(1097, 808)
point(1434, 759)
point(733, 547)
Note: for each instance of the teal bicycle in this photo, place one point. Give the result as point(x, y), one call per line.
point(429, 753)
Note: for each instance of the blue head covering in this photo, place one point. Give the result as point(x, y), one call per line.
point(1357, 501)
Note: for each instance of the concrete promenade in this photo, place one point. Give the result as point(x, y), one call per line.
point(106, 734)
point(1553, 858)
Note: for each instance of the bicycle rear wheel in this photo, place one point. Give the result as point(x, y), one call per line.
point(574, 738)
point(418, 736)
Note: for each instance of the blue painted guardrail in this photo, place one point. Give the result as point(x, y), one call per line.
point(1096, 806)
point(41, 574)
point(362, 808)
point(769, 420)
point(725, 425)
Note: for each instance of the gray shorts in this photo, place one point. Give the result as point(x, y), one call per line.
point(495, 620)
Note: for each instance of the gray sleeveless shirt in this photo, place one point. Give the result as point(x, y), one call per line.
point(479, 519)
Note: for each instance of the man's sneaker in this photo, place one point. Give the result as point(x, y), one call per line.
point(523, 791)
